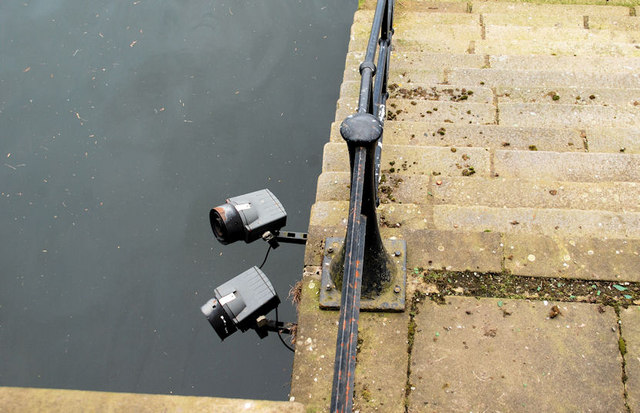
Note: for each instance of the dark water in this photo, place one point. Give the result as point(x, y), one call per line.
point(121, 125)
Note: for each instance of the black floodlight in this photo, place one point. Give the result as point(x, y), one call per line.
point(241, 304)
point(247, 217)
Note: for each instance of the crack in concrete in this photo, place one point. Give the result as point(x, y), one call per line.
point(411, 332)
point(622, 346)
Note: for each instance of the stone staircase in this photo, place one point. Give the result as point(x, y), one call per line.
point(515, 124)
point(511, 150)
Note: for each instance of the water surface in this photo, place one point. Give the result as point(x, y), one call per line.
point(121, 125)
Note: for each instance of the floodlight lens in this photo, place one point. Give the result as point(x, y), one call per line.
point(226, 223)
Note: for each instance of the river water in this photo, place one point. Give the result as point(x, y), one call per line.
point(121, 125)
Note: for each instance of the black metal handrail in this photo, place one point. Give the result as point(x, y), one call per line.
point(366, 263)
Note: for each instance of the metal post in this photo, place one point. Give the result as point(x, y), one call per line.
point(362, 132)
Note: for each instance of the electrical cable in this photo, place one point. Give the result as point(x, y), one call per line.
point(280, 335)
point(265, 257)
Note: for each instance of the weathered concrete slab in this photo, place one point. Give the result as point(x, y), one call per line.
point(455, 6)
point(596, 258)
point(458, 44)
point(549, 47)
point(630, 318)
point(493, 192)
point(498, 137)
point(581, 96)
point(591, 64)
point(21, 399)
point(533, 9)
point(415, 160)
point(508, 355)
point(616, 23)
point(380, 373)
point(551, 34)
point(542, 78)
point(329, 214)
point(417, 60)
point(579, 167)
point(437, 250)
point(416, 92)
point(568, 115)
point(556, 20)
point(519, 193)
point(620, 140)
point(549, 222)
point(439, 111)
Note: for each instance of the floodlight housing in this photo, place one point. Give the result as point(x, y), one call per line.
point(240, 302)
point(247, 217)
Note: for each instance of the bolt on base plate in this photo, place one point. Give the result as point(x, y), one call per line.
point(392, 299)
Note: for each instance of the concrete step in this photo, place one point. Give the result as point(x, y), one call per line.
point(572, 21)
point(490, 77)
point(568, 115)
point(472, 162)
point(590, 258)
point(589, 64)
point(591, 96)
point(615, 23)
point(586, 244)
point(510, 114)
point(540, 78)
point(423, 61)
point(531, 9)
point(551, 34)
point(619, 197)
point(581, 96)
point(430, 111)
point(549, 222)
point(416, 160)
point(548, 47)
point(575, 167)
point(423, 6)
point(504, 137)
point(461, 44)
point(558, 20)
point(404, 21)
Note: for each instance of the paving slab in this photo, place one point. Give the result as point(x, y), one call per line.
point(509, 355)
point(21, 399)
point(543, 78)
point(620, 140)
point(630, 318)
point(551, 34)
point(617, 23)
point(417, 92)
point(439, 111)
point(452, 46)
point(520, 193)
point(381, 365)
point(501, 137)
point(533, 9)
point(418, 60)
point(591, 64)
point(416, 26)
point(552, 48)
point(596, 258)
point(493, 192)
point(415, 160)
point(547, 221)
point(577, 167)
point(620, 98)
point(440, 250)
point(560, 20)
point(568, 115)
